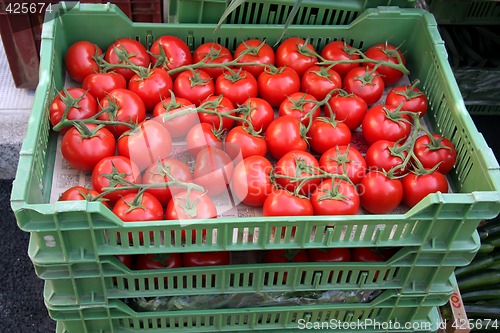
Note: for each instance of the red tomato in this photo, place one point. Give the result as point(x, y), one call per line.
point(83, 105)
point(413, 99)
point(284, 203)
point(129, 49)
point(416, 187)
point(79, 60)
point(171, 51)
point(196, 259)
point(257, 51)
point(380, 194)
point(258, 112)
point(151, 88)
point(300, 106)
point(100, 84)
point(85, 145)
point(251, 182)
point(298, 164)
point(146, 144)
point(440, 150)
point(341, 254)
point(282, 256)
point(349, 108)
point(344, 160)
point(194, 86)
point(202, 136)
point(236, 86)
point(335, 197)
point(285, 134)
point(104, 172)
point(163, 171)
point(319, 81)
point(158, 261)
point(365, 84)
point(364, 254)
point(325, 134)
point(221, 105)
point(386, 52)
point(275, 84)
point(385, 123)
point(382, 156)
point(124, 106)
point(296, 53)
point(127, 260)
point(240, 141)
point(212, 53)
point(178, 127)
point(81, 193)
point(213, 170)
point(197, 205)
point(339, 50)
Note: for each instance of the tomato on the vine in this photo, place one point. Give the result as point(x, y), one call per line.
point(384, 155)
point(384, 122)
point(283, 203)
point(151, 87)
point(364, 83)
point(340, 254)
point(251, 181)
point(340, 50)
point(212, 53)
point(237, 86)
point(413, 99)
point(439, 150)
point(386, 52)
point(219, 104)
point(199, 259)
point(380, 194)
point(275, 84)
point(81, 193)
point(201, 136)
point(213, 170)
point(178, 127)
point(82, 105)
point(158, 261)
point(285, 134)
point(79, 60)
point(240, 141)
point(258, 112)
point(100, 84)
point(344, 160)
point(417, 186)
point(296, 53)
point(257, 51)
point(127, 51)
point(171, 52)
point(301, 106)
point(297, 164)
point(195, 86)
point(327, 133)
point(348, 108)
point(320, 81)
point(335, 197)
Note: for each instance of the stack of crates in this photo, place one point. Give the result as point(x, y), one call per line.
point(73, 245)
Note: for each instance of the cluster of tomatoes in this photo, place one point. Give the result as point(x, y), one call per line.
point(136, 105)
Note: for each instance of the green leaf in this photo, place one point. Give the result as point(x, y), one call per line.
point(232, 6)
point(289, 19)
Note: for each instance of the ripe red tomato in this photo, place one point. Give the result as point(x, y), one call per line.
point(129, 49)
point(385, 123)
point(325, 134)
point(236, 86)
point(195, 86)
point(127, 260)
point(340, 254)
point(388, 53)
point(146, 144)
point(197, 205)
point(240, 141)
point(364, 254)
point(285, 134)
point(296, 53)
point(196, 259)
point(251, 182)
point(380, 194)
point(340, 50)
point(213, 170)
point(300, 106)
point(298, 164)
point(178, 127)
point(79, 60)
point(283, 256)
point(381, 156)
point(413, 99)
point(152, 88)
point(258, 52)
point(85, 145)
point(201, 136)
point(221, 105)
point(81, 193)
point(171, 51)
point(212, 53)
point(349, 108)
point(124, 106)
point(258, 112)
point(158, 261)
point(275, 84)
point(365, 84)
point(100, 84)
point(335, 197)
point(284, 203)
point(85, 108)
point(166, 170)
point(344, 160)
point(319, 81)
point(440, 150)
point(416, 187)
point(105, 170)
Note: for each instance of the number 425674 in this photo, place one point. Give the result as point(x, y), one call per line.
point(28, 7)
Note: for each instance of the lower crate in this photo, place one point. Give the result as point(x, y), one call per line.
point(391, 312)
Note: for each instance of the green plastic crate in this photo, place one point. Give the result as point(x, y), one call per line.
point(117, 317)
point(465, 11)
point(310, 12)
point(75, 230)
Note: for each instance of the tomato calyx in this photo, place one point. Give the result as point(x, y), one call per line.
point(410, 93)
point(331, 120)
point(213, 54)
point(289, 255)
point(396, 115)
point(333, 193)
point(136, 203)
point(85, 132)
point(323, 73)
point(436, 143)
point(303, 49)
point(391, 53)
point(342, 158)
point(161, 258)
point(235, 76)
point(251, 50)
point(196, 79)
point(273, 70)
point(368, 77)
point(187, 205)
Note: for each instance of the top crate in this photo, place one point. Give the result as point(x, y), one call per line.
point(465, 11)
point(310, 12)
point(87, 230)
